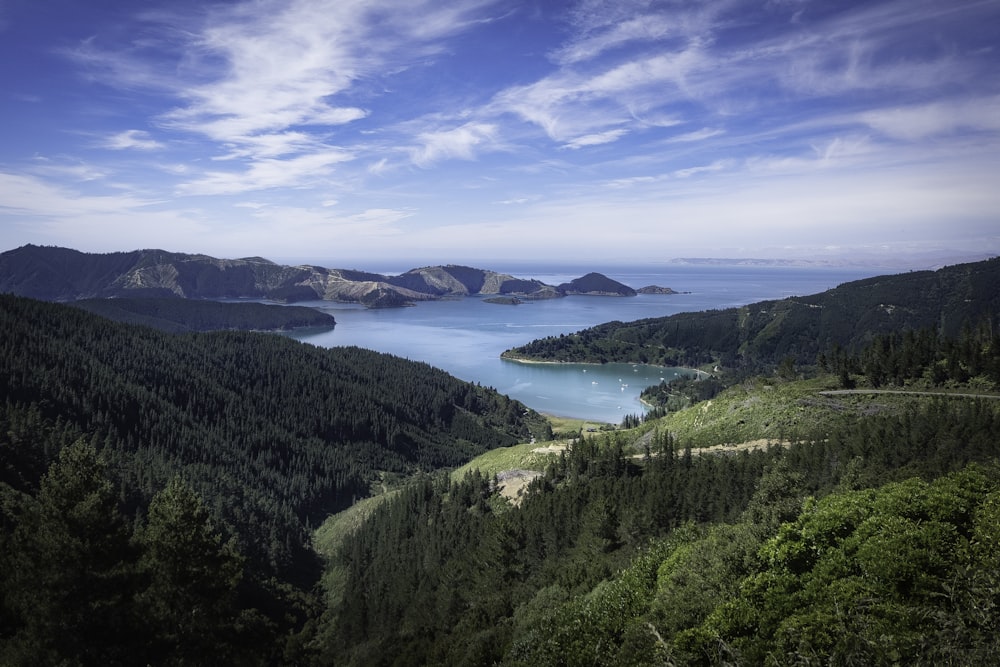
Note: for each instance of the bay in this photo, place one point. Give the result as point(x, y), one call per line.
point(465, 336)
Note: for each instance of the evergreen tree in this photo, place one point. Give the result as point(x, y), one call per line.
point(72, 570)
point(191, 577)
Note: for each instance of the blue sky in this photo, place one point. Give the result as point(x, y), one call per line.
point(358, 131)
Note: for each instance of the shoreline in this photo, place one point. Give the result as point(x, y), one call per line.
point(700, 374)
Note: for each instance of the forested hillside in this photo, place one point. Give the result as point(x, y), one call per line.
point(158, 495)
point(670, 558)
point(766, 332)
point(870, 537)
point(272, 434)
point(178, 315)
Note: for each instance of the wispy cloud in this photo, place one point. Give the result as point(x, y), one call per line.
point(920, 121)
point(596, 139)
point(132, 140)
point(461, 142)
point(262, 174)
point(267, 80)
point(558, 118)
point(568, 105)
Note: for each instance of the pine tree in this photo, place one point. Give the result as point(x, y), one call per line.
point(191, 578)
point(72, 569)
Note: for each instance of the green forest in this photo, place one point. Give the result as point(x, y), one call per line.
point(271, 436)
point(825, 496)
point(178, 315)
point(753, 337)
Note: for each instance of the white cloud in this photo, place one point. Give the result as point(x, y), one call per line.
point(132, 139)
point(75, 170)
point(596, 139)
point(697, 135)
point(916, 122)
point(609, 94)
point(45, 213)
point(702, 169)
point(35, 197)
point(734, 113)
point(461, 142)
point(298, 231)
point(264, 174)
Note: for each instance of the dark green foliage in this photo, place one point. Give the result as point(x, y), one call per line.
point(190, 579)
point(303, 429)
point(439, 546)
point(84, 587)
point(762, 334)
point(926, 357)
point(872, 577)
point(68, 579)
point(272, 433)
point(682, 392)
point(543, 584)
point(872, 542)
point(178, 315)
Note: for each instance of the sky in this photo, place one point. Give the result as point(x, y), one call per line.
point(354, 132)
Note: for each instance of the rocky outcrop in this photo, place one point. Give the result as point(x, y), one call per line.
point(656, 289)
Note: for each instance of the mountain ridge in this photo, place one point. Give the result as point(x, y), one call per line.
point(54, 273)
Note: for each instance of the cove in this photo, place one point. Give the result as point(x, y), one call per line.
point(465, 336)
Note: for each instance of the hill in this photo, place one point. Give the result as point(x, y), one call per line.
point(596, 284)
point(61, 274)
point(179, 315)
point(273, 434)
point(764, 333)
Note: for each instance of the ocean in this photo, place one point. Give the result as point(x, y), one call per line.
point(465, 336)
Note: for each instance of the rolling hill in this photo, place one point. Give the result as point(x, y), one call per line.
point(762, 333)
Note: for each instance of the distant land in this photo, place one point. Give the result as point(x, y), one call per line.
point(62, 274)
point(866, 260)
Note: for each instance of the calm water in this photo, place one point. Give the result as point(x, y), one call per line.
point(465, 336)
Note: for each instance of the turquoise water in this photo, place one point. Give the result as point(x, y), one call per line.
point(465, 336)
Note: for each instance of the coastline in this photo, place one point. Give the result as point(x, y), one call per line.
point(700, 374)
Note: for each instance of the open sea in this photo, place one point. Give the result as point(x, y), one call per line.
point(465, 336)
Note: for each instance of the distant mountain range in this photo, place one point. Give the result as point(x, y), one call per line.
point(62, 274)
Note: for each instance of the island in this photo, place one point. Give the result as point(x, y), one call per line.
point(504, 300)
point(656, 289)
